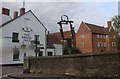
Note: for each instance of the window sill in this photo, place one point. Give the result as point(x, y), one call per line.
point(15, 41)
point(16, 59)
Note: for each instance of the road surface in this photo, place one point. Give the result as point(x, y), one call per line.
point(6, 70)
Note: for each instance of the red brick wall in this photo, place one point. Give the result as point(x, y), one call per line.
point(95, 43)
point(91, 40)
point(108, 44)
point(83, 29)
point(110, 40)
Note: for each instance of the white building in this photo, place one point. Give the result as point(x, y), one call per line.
point(54, 46)
point(17, 37)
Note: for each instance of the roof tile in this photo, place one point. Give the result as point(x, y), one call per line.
point(67, 34)
point(97, 29)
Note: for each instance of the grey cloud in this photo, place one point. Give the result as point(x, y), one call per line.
point(49, 12)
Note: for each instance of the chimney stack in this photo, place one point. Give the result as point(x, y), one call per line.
point(15, 14)
point(109, 24)
point(5, 11)
point(22, 11)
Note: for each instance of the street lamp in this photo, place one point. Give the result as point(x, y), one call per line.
point(66, 21)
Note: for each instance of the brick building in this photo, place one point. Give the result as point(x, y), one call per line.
point(67, 36)
point(94, 38)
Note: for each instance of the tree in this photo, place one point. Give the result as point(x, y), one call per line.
point(116, 23)
point(74, 50)
point(116, 26)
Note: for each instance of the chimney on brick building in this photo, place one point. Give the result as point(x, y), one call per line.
point(15, 14)
point(22, 11)
point(5, 11)
point(109, 24)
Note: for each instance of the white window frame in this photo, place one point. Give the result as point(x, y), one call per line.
point(83, 36)
point(98, 44)
point(101, 44)
point(114, 36)
point(105, 44)
point(106, 36)
point(98, 36)
point(16, 54)
point(101, 36)
point(83, 44)
point(112, 44)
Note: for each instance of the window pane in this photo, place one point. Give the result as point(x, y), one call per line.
point(97, 35)
point(49, 53)
point(83, 44)
point(100, 36)
point(15, 54)
point(83, 36)
point(40, 53)
point(101, 44)
point(15, 37)
point(98, 44)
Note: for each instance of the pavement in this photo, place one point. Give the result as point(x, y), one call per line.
point(11, 70)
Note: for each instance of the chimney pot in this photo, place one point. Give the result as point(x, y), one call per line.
point(5, 11)
point(15, 14)
point(22, 11)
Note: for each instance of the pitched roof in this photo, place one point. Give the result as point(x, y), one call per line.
point(97, 29)
point(52, 39)
point(67, 34)
point(20, 16)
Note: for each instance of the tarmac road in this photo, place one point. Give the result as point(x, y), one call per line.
point(17, 73)
point(6, 70)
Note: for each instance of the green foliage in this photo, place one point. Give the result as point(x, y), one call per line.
point(116, 26)
point(116, 22)
point(74, 50)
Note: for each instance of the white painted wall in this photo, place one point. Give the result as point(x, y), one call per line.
point(4, 18)
point(16, 26)
point(50, 50)
point(0, 46)
point(58, 49)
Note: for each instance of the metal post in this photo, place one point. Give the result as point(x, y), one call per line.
point(36, 48)
point(69, 41)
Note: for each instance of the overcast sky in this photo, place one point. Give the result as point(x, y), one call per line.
point(50, 12)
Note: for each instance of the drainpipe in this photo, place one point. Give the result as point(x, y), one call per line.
point(92, 43)
point(45, 41)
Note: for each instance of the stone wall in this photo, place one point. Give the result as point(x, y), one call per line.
point(83, 65)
